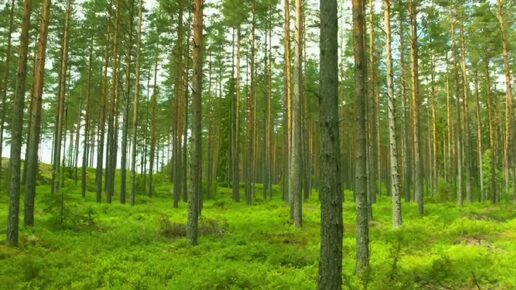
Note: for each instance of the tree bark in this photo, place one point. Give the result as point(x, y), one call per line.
point(295, 154)
point(330, 265)
point(17, 128)
point(194, 208)
point(458, 131)
point(4, 84)
point(58, 130)
point(418, 176)
point(396, 198)
point(509, 120)
point(360, 145)
point(136, 103)
point(35, 115)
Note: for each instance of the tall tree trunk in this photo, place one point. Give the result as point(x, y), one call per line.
point(35, 116)
point(479, 140)
point(87, 135)
point(492, 132)
point(509, 120)
point(154, 104)
point(360, 146)
point(295, 154)
point(467, 141)
point(113, 114)
point(396, 198)
point(102, 119)
point(251, 124)
point(407, 149)
point(17, 128)
point(179, 108)
point(288, 100)
point(125, 125)
point(236, 126)
point(435, 156)
point(194, 208)
point(136, 102)
point(418, 174)
point(330, 265)
point(4, 83)
point(460, 174)
point(58, 130)
point(372, 107)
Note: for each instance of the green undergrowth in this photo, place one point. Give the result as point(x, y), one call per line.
point(101, 246)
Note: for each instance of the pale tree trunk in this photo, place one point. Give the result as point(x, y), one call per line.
point(295, 154)
point(194, 209)
point(35, 116)
point(330, 265)
point(136, 102)
point(17, 128)
point(360, 145)
point(418, 175)
point(396, 198)
point(406, 150)
point(373, 116)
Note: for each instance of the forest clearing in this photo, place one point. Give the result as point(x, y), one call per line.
point(257, 144)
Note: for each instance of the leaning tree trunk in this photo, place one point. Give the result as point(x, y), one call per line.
point(35, 116)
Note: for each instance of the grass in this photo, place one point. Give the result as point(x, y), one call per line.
point(115, 246)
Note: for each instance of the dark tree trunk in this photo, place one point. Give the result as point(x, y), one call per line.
point(330, 265)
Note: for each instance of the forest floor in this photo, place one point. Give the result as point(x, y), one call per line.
point(101, 246)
